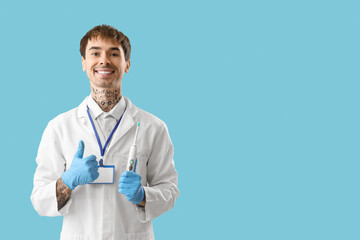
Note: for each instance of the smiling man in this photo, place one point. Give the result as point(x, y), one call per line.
point(83, 156)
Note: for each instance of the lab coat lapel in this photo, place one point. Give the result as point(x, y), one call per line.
point(84, 119)
point(87, 125)
point(127, 122)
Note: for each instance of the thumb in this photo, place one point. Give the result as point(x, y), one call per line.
point(80, 151)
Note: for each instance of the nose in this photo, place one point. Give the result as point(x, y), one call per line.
point(104, 60)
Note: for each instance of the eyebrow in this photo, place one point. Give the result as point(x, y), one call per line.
point(99, 48)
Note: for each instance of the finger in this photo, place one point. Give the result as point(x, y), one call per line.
point(94, 165)
point(124, 186)
point(80, 151)
point(123, 176)
point(93, 169)
point(124, 191)
point(129, 174)
point(127, 179)
point(94, 175)
point(91, 160)
point(124, 180)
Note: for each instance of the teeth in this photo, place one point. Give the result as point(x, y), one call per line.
point(104, 72)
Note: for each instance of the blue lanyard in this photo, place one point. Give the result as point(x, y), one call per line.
point(102, 150)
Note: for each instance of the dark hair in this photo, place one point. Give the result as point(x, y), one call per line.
point(108, 33)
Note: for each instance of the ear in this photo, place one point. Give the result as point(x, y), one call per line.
point(127, 66)
point(83, 62)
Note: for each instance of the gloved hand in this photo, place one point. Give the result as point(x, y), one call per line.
point(130, 186)
point(82, 170)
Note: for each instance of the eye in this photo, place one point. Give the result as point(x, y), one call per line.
point(95, 54)
point(114, 54)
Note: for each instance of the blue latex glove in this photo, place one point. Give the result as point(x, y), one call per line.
point(130, 186)
point(82, 170)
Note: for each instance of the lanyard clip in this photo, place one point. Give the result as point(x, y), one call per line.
point(101, 163)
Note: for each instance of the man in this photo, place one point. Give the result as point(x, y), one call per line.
point(80, 146)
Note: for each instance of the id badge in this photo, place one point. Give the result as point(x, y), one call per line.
point(106, 175)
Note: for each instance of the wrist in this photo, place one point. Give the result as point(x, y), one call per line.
point(139, 196)
point(143, 203)
point(66, 180)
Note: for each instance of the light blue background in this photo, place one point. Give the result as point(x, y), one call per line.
point(261, 99)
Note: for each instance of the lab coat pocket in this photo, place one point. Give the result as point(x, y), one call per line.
point(141, 168)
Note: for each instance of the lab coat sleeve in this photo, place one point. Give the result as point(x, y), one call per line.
point(162, 191)
point(51, 165)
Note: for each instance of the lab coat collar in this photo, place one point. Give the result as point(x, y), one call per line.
point(94, 108)
point(126, 123)
point(96, 111)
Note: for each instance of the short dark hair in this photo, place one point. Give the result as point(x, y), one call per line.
point(108, 33)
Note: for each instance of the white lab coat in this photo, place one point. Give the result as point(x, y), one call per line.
point(99, 211)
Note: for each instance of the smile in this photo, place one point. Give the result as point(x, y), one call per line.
point(104, 72)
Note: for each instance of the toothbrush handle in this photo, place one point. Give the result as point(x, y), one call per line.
point(131, 159)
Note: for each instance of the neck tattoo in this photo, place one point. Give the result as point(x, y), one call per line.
point(106, 99)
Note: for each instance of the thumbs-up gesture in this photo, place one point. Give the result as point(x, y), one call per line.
point(82, 170)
